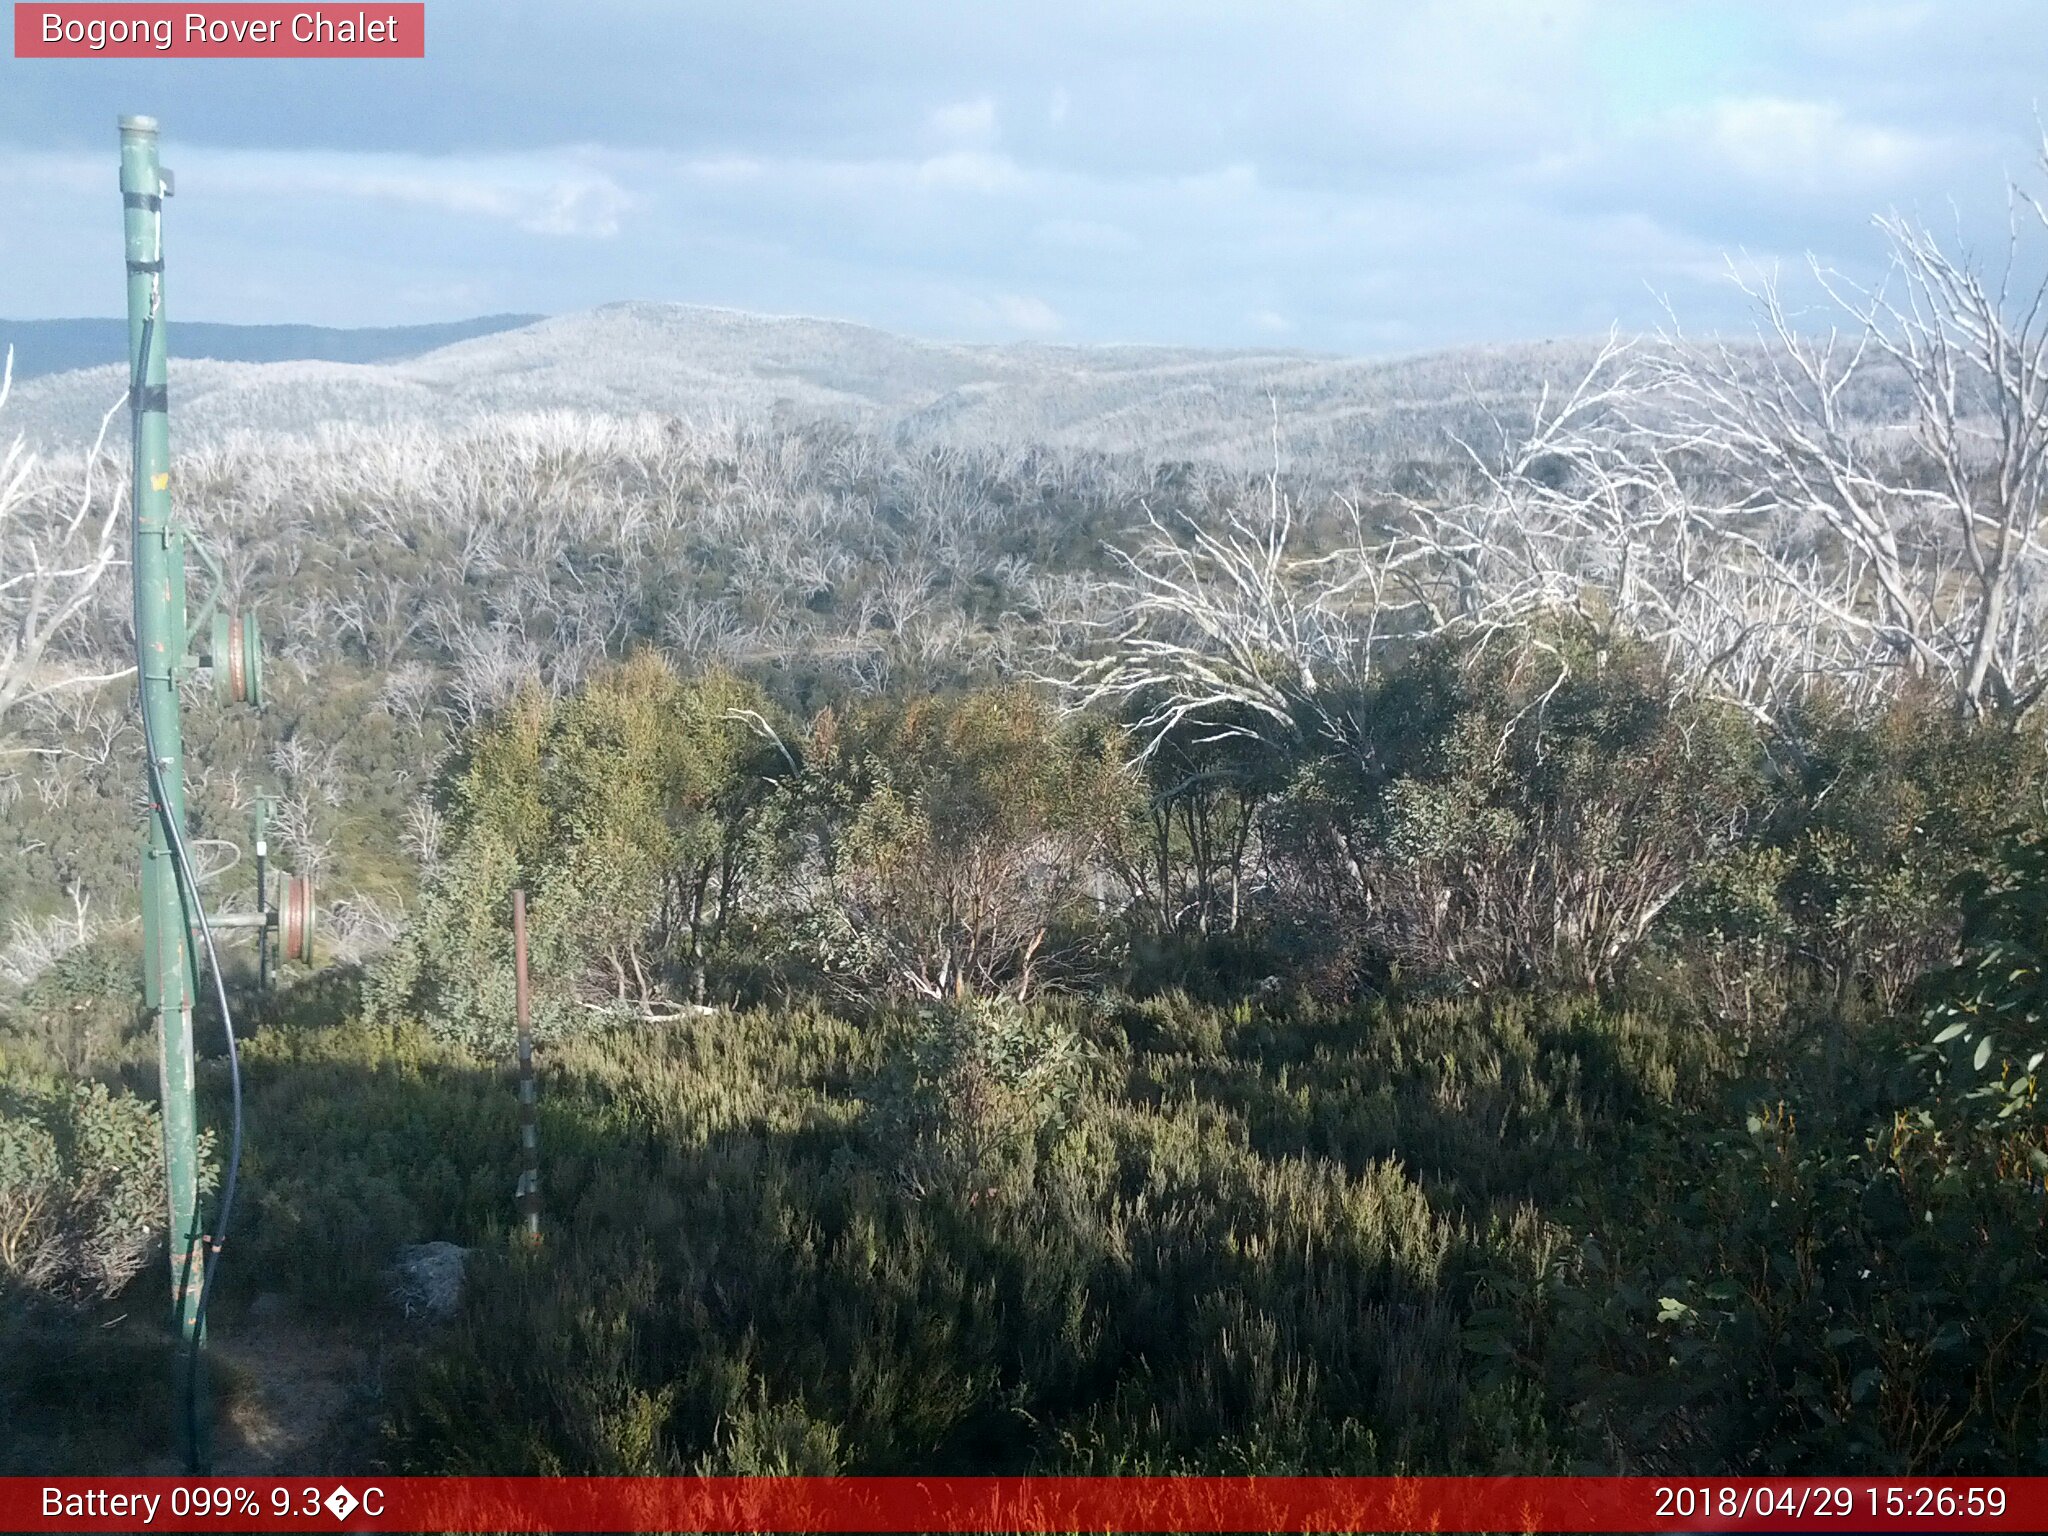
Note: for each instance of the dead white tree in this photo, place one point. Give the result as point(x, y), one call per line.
point(33, 947)
point(299, 829)
point(408, 690)
point(54, 550)
point(1608, 512)
point(1857, 507)
point(357, 927)
point(424, 833)
point(1915, 546)
point(1236, 630)
point(491, 666)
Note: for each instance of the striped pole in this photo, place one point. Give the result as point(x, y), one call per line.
point(529, 1127)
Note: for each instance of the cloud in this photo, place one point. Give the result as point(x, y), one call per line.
point(32, 173)
point(538, 194)
point(726, 169)
point(1804, 145)
point(1781, 174)
point(968, 123)
point(968, 170)
point(1025, 314)
point(1882, 23)
point(1085, 235)
point(1374, 175)
point(588, 207)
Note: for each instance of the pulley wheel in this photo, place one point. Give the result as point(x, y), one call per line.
point(226, 659)
point(295, 920)
point(238, 658)
point(251, 649)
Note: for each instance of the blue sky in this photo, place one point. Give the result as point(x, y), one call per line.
point(1369, 177)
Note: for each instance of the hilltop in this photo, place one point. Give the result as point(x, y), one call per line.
point(700, 363)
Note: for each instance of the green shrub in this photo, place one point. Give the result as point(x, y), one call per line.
point(632, 813)
point(1517, 814)
point(362, 1139)
point(1992, 1002)
point(81, 1185)
point(973, 1091)
point(82, 1392)
point(83, 1015)
point(1815, 1292)
point(957, 845)
point(1853, 1280)
point(1877, 820)
point(1181, 1238)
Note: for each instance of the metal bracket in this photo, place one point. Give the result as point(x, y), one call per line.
point(197, 626)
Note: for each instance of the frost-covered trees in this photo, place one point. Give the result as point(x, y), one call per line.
point(59, 536)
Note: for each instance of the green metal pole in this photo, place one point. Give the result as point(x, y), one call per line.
point(168, 972)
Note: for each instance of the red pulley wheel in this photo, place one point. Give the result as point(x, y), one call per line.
point(238, 666)
point(237, 658)
point(295, 920)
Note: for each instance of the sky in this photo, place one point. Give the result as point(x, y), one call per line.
point(1372, 177)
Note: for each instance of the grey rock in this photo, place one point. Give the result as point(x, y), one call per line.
point(426, 1279)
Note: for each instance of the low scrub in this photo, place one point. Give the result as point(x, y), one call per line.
point(81, 1185)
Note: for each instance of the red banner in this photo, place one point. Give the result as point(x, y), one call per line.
point(372, 30)
point(1033, 1504)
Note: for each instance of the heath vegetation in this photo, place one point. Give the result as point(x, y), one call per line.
point(1523, 960)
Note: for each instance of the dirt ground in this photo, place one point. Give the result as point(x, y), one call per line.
point(295, 1396)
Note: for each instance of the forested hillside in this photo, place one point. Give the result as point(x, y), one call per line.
point(1509, 946)
point(712, 368)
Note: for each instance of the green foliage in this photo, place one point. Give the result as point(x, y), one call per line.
point(81, 1184)
point(659, 787)
point(957, 843)
point(1991, 1006)
point(83, 1014)
point(362, 1139)
point(632, 813)
point(1467, 1235)
point(75, 825)
point(1176, 1238)
point(1187, 851)
point(974, 1092)
point(83, 1387)
point(1517, 814)
point(1876, 824)
point(1806, 1294)
point(1843, 890)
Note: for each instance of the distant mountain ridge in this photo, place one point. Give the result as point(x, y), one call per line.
point(695, 362)
point(58, 346)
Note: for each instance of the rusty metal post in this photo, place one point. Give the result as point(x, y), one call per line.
point(529, 1109)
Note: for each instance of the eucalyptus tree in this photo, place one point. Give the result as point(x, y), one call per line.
point(57, 544)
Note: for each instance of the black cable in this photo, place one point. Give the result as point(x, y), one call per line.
point(176, 838)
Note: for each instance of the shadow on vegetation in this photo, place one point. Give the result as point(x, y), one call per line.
point(788, 1243)
point(1153, 1236)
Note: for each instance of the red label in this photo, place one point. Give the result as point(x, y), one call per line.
point(242, 31)
point(1030, 1504)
